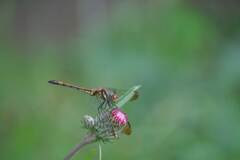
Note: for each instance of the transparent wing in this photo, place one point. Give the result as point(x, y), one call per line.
point(120, 92)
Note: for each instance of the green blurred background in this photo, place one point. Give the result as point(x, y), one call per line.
point(184, 53)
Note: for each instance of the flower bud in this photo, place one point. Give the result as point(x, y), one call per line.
point(88, 122)
point(119, 117)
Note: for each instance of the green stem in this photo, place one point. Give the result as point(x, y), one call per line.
point(90, 138)
point(100, 151)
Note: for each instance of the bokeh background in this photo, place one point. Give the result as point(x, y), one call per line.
point(184, 53)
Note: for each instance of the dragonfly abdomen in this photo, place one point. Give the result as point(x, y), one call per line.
point(61, 83)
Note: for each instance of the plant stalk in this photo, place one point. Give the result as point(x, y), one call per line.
point(90, 138)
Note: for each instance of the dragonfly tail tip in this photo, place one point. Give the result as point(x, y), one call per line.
point(52, 81)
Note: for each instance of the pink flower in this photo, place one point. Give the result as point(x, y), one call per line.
point(119, 116)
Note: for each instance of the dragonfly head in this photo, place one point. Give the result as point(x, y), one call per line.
point(114, 97)
point(110, 95)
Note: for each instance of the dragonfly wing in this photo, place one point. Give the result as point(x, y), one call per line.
point(120, 92)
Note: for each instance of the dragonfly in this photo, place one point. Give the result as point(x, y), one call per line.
point(108, 96)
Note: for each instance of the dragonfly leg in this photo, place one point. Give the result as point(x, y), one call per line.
point(100, 107)
point(109, 104)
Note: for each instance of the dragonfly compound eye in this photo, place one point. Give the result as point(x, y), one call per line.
point(114, 97)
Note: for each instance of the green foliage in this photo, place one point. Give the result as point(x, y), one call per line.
point(188, 108)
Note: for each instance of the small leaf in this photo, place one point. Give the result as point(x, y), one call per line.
point(127, 96)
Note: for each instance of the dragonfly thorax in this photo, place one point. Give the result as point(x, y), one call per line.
point(107, 94)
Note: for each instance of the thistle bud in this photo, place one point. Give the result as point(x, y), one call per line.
point(88, 122)
point(119, 117)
